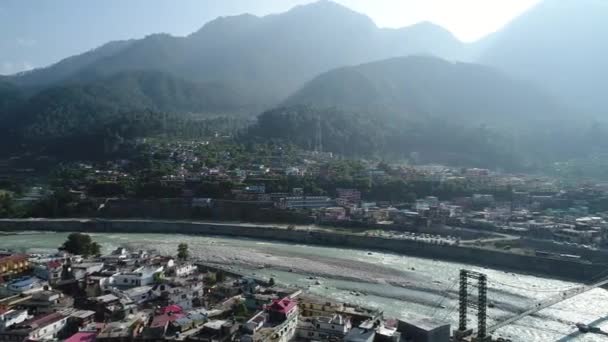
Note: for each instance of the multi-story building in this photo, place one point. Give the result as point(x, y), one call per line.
point(11, 317)
point(304, 202)
point(323, 328)
point(11, 264)
point(39, 328)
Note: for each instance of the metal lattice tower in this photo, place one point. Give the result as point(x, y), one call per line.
point(480, 281)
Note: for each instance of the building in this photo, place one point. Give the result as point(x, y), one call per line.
point(140, 276)
point(424, 329)
point(304, 202)
point(11, 264)
point(282, 309)
point(82, 336)
point(217, 331)
point(50, 271)
point(26, 285)
point(48, 301)
point(180, 269)
point(44, 327)
point(349, 196)
point(11, 317)
point(360, 335)
point(323, 328)
point(310, 307)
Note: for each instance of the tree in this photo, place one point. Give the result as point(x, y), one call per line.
point(81, 244)
point(182, 251)
point(271, 282)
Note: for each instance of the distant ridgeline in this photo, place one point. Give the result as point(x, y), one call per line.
point(529, 106)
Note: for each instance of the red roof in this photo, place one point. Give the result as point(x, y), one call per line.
point(82, 337)
point(284, 305)
point(54, 264)
point(172, 309)
point(13, 257)
point(163, 320)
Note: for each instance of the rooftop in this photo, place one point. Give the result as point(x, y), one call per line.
point(82, 337)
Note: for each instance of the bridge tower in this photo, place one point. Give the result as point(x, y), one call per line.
point(480, 282)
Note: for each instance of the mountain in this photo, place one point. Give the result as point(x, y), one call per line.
point(265, 57)
point(11, 97)
point(68, 67)
point(429, 87)
point(129, 104)
point(429, 110)
point(560, 45)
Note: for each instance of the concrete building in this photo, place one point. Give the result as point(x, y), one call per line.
point(11, 317)
point(424, 329)
point(11, 264)
point(39, 328)
point(304, 202)
point(323, 328)
point(140, 276)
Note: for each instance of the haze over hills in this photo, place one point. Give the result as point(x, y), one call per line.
point(458, 113)
point(268, 56)
point(560, 45)
point(427, 87)
point(128, 103)
point(323, 55)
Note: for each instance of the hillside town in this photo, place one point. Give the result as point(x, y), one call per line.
point(142, 296)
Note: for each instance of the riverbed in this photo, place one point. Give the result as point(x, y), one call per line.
point(399, 285)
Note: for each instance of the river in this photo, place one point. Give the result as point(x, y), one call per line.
point(399, 285)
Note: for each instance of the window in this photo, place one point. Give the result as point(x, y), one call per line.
point(311, 334)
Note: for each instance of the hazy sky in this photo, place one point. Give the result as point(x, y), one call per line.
point(36, 33)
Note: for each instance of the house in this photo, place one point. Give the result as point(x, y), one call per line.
point(140, 294)
point(282, 309)
point(323, 328)
point(49, 271)
point(26, 285)
point(186, 296)
point(424, 329)
point(48, 301)
point(82, 336)
point(44, 327)
point(160, 324)
point(310, 307)
point(188, 322)
point(11, 317)
point(81, 270)
point(217, 331)
point(81, 318)
point(255, 323)
point(180, 269)
point(140, 276)
point(304, 202)
point(11, 264)
point(360, 335)
point(125, 330)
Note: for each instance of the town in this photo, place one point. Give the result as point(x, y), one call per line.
point(143, 296)
point(218, 180)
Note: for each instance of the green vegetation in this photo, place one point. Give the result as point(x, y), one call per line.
point(118, 109)
point(377, 136)
point(182, 251)
point(81, 244)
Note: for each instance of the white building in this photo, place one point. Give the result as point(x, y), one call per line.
point(10, 317)
point(138, 277)
point(323, 328)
